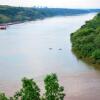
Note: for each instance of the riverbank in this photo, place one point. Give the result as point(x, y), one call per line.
point(17, 14)
point(87, 60)
point(12, 14)
point(86, 41)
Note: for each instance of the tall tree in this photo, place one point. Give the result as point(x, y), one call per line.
point(53, 90)
point(29, 91)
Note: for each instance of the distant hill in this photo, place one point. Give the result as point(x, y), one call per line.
point(18, 14)
point(86, 41)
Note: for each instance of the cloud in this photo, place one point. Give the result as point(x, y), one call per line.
point(54, 3)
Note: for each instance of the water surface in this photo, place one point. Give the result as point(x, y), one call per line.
point(40, 47)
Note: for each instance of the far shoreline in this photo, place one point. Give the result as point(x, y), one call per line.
point(19, 22)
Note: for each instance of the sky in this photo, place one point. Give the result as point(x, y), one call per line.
point(53, 3)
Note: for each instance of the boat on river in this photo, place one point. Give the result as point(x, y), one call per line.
point(3, 27)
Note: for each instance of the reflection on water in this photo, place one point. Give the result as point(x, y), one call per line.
point(40, 47)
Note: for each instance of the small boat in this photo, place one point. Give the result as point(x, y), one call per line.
point(59, 49)
point(50, 48)
point(3, 27)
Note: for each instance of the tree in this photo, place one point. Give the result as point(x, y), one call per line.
point(3, 97)
point(96, 54)
point(53, 90)
point(29, 91)
point(86, 41)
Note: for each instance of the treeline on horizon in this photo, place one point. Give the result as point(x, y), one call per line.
point(86, 41)
point(17, 14)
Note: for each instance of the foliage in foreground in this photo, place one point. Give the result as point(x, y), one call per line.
point(31, 91)
point(3, 97)
point(86, 41)
point(53, 90)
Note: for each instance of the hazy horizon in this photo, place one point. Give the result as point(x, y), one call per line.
point(84, 4)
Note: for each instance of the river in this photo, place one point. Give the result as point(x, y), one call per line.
point(36, 48)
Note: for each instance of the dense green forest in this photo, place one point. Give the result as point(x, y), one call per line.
point(15, 14)
point(86, 41)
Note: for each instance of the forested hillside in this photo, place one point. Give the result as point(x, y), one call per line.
point(13, 14)
point(86, 41)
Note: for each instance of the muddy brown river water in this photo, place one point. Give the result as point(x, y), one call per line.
point(36, 48)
